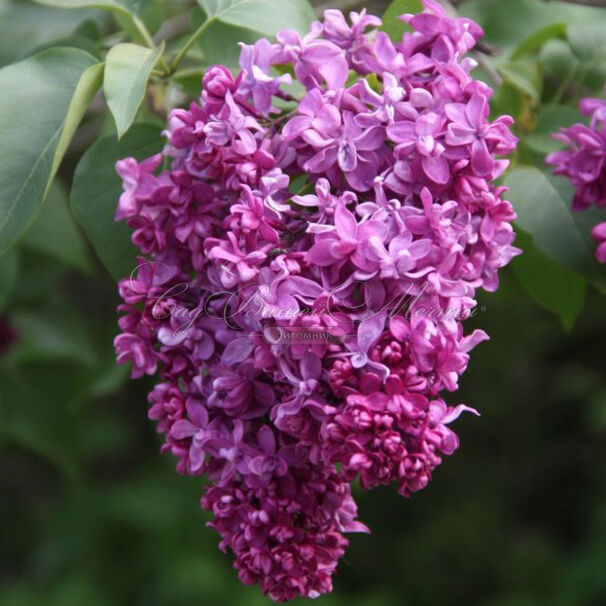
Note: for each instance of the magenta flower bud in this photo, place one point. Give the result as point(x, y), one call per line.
point(216, 83)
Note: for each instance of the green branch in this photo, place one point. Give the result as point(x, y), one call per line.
point(184, 50)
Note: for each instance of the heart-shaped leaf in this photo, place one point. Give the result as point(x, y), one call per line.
point(127, 70)
point(27, 28)
point(43, 100)
point(557, 58)
point(552, 286)
point(135, 10)
point(544, 212)
point(54, 232)
point(125, 7)
point(537, 39)
point(587, 40)
point(264, 16)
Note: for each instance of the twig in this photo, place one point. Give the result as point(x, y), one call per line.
point(491, 72)
point(173, 27)
point(197, 34)
point(488, 49)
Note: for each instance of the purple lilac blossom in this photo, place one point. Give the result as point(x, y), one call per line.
point(397, 163)
point(583, 161)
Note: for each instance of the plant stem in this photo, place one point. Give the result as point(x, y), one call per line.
point(149, 41)
point(190, 43)
point(143, 31)
point(491, 72)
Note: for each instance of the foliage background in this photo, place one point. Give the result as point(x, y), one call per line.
point(91, 515)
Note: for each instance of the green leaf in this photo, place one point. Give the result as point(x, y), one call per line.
point(537, 39)
point(525, 76)
point(88, 29)
point(552, 117)
point(97, 187)
point(127, 71)
point(557, 58)
point(55, 233)
point(552, 286)
point(151, 14)
point(135, 10)
point(43, 100)
point(395, 27)
point(71, 42)
point(87, 88)
point(588, 40)
point(8, 276)
point(85, 37)
point(25, 26)
point(221, 45)
point(509, 100)
point(188, 81)
point(549, 119)
point(542, 143)
point(125, 7)
point(58, 332)
point(39, 275)
point(545, 214)
point(264, 16)
point(28, 408)
point(508, 23)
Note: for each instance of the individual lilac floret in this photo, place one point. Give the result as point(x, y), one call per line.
point(599, 235)
point(308, 265)
point(584, 160)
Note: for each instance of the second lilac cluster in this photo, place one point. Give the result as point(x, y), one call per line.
point(584, 163)
point(308, 261)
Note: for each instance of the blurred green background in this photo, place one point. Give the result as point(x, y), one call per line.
point(92, 515)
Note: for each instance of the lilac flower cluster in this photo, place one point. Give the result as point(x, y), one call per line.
point(307, 264)
point(584, 163)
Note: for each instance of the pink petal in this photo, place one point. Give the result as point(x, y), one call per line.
point(437, 169)
point(481, 160)
point(294, 127)
point(372, 139)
